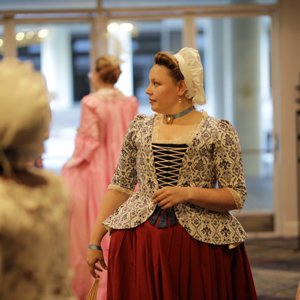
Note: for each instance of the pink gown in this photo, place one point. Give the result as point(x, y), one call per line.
point(105, 117)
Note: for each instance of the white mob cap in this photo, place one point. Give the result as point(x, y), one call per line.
point(192, 70)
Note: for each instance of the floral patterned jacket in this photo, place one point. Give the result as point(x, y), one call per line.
point(212, 160)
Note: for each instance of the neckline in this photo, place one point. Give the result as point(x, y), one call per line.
point(187, 139)
point(191, 139)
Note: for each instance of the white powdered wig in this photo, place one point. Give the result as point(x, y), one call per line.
point(192, 70)
point(24, 113)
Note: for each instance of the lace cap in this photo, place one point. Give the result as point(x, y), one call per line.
point(192, 70)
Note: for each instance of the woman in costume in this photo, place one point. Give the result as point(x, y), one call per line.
point(174, 237)
point(105, 117)
point(34, 207)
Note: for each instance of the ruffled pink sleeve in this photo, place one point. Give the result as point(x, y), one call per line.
point(87, 137)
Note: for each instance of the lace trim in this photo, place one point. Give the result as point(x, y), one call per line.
point(185, 139)
point(119, 189)
point(236, 197)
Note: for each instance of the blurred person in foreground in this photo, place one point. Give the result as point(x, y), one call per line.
point(175, 237)
point(105, 116)
point(34, 262)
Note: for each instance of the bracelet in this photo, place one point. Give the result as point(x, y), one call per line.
point(95, 247)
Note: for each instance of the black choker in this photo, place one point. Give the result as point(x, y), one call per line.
point(170, 118)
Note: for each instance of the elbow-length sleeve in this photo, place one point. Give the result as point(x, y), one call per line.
point(228, 163)
point(87, 137)
point(125, 175)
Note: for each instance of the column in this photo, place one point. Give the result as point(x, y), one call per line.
point(245, 72)
point(57, 67)
point(9, 46)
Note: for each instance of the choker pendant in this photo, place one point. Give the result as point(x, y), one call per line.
point(170, 118)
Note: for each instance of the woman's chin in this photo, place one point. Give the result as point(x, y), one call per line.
point(153, 107)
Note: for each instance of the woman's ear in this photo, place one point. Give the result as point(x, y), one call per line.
point(181, 88)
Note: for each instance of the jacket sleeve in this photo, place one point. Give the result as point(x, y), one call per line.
point(125, 176)
point(87, 136)
point(228, 163)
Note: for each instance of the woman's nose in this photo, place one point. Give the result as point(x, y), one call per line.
point(148, 91)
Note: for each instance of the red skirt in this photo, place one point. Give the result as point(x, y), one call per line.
point(147, 263)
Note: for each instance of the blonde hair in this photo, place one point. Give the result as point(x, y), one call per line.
point(108, 68)
point(24, 114)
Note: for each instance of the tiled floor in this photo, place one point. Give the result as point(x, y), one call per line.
point(275, 266)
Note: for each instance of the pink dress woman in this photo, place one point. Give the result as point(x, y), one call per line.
point(105, 117)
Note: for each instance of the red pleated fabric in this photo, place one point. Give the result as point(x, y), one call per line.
point(147, 263)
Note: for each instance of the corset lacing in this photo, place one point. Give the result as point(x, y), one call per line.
point(167, 161)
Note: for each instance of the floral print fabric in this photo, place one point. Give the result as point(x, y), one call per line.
point(213, 159)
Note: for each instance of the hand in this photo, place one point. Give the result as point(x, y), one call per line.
point(169, 196)
point(96, 262)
